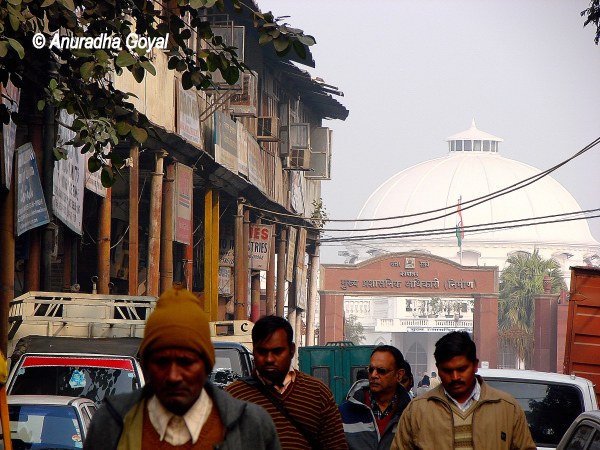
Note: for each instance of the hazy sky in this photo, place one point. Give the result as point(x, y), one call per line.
point(415, 72)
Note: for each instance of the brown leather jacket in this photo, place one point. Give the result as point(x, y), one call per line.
point(498, 422)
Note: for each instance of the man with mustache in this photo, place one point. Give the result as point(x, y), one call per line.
point(179, 407)
point(463, 411)
point(371, 415)
point(302, 407)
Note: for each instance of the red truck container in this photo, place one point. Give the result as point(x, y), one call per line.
point(582, 350)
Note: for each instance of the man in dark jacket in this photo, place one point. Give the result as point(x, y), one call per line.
point(371, 416)
point(179, 408)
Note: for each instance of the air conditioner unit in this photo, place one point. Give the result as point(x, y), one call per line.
point(297, 159)
point(267, 129)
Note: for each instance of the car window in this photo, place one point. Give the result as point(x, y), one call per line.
point(579, 438)
point(550, 408)
point(44, 426)
point(94, 383)
point(595, 444)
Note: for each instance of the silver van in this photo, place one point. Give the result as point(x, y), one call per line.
point(551, 401)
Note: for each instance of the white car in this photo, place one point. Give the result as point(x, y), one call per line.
point(48, 421)
point(551, 401)
point(583, 434)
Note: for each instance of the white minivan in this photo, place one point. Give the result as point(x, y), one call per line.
point(551, 401)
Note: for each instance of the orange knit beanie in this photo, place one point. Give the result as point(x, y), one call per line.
point(178, 321)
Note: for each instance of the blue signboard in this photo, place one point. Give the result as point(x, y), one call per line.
point(31, 205)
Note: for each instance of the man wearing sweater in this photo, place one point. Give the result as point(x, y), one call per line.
point(179, 407)
point(302, 407)
point(463, 411)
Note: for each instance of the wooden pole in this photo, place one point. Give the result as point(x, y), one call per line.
point(7, 268)
point(240, 312)
point(211, 253)
point(134, 180)
point(155, 222)
point(166, 245)
point(270, 310)
point(103, 262)
point(281, 250)
point(312, 297)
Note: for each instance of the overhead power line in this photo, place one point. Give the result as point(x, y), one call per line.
point(473, 229)
point(464, 206)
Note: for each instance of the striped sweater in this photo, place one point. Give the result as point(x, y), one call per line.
point(309, 402)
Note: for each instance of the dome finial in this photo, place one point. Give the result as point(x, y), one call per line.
point(473, 126)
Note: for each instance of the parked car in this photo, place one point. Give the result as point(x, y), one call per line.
point(583, 434)
point(232, 361)
point(74, 374)
point(48, 422)
point(551, 401)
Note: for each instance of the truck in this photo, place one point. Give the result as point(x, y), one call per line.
point(583, 326)
point(337, 364)
point(87, 344)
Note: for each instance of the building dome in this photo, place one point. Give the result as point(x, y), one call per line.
point(473, 168)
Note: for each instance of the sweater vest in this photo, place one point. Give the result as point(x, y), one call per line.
point(463, 427)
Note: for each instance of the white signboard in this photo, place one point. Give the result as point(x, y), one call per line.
point(31, 205)
point(291, 253)
point(243, 137)
point(93, 182)
point(188, 115)
point(69, 179)
point(260, 246)
point(183, 203)
point(226, 142)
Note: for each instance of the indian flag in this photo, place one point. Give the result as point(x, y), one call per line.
point(460, 229)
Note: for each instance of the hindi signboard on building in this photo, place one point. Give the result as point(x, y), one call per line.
point(68, 179)
point(226, 152)
point(183, 203)
point(291, 253)
point(188, 115)
point(10, 98)
point(31, 205)
point(260, 246)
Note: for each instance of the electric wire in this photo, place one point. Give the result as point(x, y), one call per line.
point(464, 205)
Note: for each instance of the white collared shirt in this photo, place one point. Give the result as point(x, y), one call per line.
point(177, 430)
point(287, 381)
point(474, 397)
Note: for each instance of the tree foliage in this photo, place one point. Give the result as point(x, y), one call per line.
point(592, 16)
point(80, 81)
point(353, 330)
point(520, 282)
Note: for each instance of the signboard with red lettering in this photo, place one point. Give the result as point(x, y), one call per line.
point(183, 203)
point(260, 246)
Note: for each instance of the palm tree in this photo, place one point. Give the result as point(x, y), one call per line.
point(520, 281)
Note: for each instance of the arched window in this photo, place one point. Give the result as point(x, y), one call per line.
point(417, 357)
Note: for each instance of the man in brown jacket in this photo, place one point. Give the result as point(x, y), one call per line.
point(463, 411)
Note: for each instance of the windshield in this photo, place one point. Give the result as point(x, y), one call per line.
point(44, 427)
point(228, 367)
point(94, 383)
point(549, 408)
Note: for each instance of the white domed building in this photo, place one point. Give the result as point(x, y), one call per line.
point(474, 169)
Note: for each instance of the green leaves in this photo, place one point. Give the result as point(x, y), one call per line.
point(84, 81)
point(139, 134)
point(125, 59)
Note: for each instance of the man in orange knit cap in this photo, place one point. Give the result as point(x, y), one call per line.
point(179, 407)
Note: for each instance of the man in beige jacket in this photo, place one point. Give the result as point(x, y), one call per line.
point(463, 411)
